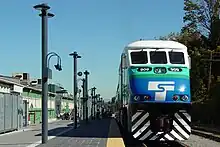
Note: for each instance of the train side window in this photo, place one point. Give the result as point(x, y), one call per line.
point(139, 57)
point(176, 57)
point(158, 57)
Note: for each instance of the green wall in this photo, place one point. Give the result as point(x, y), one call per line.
point(35, 113)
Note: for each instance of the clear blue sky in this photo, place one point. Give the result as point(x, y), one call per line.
point(97, 29)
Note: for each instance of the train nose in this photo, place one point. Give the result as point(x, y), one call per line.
point(162, 124)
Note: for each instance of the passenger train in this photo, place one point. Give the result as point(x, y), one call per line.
point(154, 90)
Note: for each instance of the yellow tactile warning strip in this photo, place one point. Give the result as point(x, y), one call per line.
point(114, 136)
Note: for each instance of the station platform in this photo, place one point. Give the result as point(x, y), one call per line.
point(96, 133)
point(31, 136)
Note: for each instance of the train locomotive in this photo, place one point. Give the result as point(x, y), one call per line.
point(154, 91)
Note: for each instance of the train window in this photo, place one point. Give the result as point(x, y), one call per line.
point(176, 58)
point(139, 57)
point(158, 57)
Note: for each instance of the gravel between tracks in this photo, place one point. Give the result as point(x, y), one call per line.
point(197, 141)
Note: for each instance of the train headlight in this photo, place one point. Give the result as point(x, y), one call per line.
point(184, 98)
point(182, 88)
point(147, 97)
point(175, 97)
point(136, 98)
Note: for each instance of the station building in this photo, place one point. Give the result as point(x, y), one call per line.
point(29, 91)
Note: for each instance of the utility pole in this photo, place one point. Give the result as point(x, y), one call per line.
point(94, 108)
point(97, 101)
point(211, 60)
point(79, 103)
point(99, 104)
point(83, 98)
point(210, 71)
point(86, 93)
point(75, 57)
point(93, 101)
point(44, 15)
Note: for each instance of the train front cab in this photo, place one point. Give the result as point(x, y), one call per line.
point(152, 119)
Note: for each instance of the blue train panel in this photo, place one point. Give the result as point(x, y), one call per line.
point(160, 90)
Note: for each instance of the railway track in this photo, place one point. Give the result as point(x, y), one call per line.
point(164, 144)
point(158, 144)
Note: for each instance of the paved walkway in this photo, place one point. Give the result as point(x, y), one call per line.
point(97, 133)
point(32, 136)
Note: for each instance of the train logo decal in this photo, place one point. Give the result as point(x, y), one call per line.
point(161, 88)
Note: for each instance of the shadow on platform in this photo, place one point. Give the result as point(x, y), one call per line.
point(92, 129)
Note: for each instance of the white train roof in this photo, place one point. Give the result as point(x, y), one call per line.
point(144, 44)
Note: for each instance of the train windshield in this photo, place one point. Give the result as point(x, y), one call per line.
point(139, 57)
point(176, 57)
point(158, 57)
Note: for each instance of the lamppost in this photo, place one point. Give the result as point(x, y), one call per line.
point(87, 97)
point(57, 66)
point(93, 101)
point(79, 103)
point(83, 99)
point(44, 15)
point(86, 94)
point(75, 57)
point(97, 101)
point(100, 103)
point(92, 115)
point(101, 106)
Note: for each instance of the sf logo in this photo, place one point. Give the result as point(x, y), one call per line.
point(161, 88)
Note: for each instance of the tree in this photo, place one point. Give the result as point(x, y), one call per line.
point(202, 16)
point(172, 36)
point(191, 40)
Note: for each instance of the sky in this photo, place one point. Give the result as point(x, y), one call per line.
point(97, 29)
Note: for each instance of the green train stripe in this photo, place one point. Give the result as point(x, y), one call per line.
point(132, 72)
point(158, 76)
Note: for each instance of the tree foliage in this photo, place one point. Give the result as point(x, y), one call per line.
point(202, 16)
